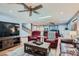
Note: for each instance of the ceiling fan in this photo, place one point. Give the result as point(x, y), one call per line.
point(30, 9)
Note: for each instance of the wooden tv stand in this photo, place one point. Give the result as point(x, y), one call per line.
point(7, 42)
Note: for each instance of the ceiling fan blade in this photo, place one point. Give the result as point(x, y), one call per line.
point(36, 12)
point(30, 13)
point(37, 7)
point(22, 10)
point(25, 6)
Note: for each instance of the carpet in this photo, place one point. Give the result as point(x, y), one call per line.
point(68, 50)
point(18, 52)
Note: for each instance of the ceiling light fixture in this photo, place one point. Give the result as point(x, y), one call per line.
point(45, 17)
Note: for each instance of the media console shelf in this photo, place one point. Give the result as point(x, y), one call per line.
point(7, 42)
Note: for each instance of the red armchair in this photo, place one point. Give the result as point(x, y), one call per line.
point(53, 43)
point(35, 35)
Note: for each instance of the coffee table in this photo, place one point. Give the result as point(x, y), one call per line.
point(39, 50)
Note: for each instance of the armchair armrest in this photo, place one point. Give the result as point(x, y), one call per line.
point(53, 43)
point(29, 38)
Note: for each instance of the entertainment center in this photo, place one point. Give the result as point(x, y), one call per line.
point(9, 35)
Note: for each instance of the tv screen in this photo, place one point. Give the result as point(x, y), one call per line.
point(8, 29)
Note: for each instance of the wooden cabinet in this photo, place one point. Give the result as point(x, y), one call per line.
point(9, 42)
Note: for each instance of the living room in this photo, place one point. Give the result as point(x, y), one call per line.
point(39, 29)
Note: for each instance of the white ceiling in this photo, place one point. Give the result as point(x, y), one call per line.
point(51, 12)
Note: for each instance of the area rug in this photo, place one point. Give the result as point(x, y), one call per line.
point(68, 50)
point(18, 52)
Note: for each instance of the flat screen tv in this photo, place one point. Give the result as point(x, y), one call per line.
point(9, 29)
